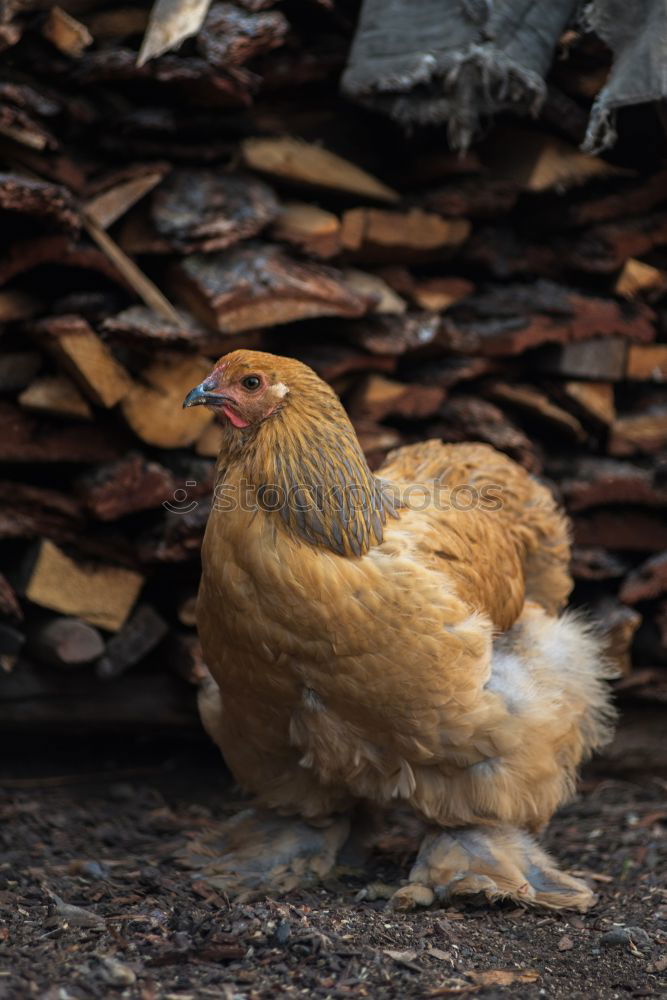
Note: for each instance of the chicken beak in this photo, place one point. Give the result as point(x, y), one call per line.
point(199, 396)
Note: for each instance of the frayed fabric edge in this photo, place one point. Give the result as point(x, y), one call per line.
point(479, 81)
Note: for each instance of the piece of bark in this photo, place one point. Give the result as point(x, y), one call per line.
point(169, 24)
point(154, 408)
point(86, 358)
point(511, 318)
point(204, 210)
point(605, 248)
point(468, 418)
point(616, 625)
point(449, 371)
point(332, 360)
point(378, 397)
point(381, 298)
point(380, 234)
point(632, 198)
point(9, 604)
point(67, 34)
point(638, 278)
point(593, 481)
point(24, 255)
point(647, 362)
point(594, 400)
point(142, 326)
point(56, 395)
point(256, 285)
point(125, 487)
point(602, 358)
point(16, 305)
point(595, 563)
point(101, 595)
point(438, 294)
point(303, 163)
point(32, 196)
point(178, 539)
point(17, 369)
point(641, 432)
point(538, 405)
point(646, 582)
point(27, 438)
point(65, 642)
point(230, 37)
point(140, 634)
point(473, 197)
point(537, 162)
point(395, 335)
point(308, 227)
point(623, 530)
point(110, 205)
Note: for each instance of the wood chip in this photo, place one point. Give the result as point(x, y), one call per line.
point(153, 409)
point(66, 33)
point(57, 395)
point(647, 362)
point(537, 404)
point(87, 359)
point(638, 278)
point(109, 206)
point(594, 399)
point(303, 163)
point(99, 594)
point(535, 161)
point(378, 233)
point(311, 229)
point(170, 23)
point(642, 432)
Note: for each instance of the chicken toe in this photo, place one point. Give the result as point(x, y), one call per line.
point(260, 851)
point(496, 862)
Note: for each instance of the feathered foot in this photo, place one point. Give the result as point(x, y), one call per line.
point(499, 862)
point(260, 851)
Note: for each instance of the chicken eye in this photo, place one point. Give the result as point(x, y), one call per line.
point(251, 382)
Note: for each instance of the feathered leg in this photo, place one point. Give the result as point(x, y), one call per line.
point(260, 851)
point(498, 862)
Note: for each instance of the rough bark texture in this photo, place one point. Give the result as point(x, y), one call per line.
point(155, 217)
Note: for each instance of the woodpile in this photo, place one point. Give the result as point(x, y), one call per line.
point(156, 214)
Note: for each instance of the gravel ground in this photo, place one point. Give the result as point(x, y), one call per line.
point(93, 904)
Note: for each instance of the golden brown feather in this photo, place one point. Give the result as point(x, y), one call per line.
point(392, 636)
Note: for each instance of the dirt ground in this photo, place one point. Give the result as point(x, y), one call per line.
point(92, 903)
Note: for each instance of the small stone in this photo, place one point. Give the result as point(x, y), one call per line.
point(282, 933)
point(619, 936)
point(566, 943)
point(116, 973)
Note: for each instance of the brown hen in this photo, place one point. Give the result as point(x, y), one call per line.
point(387, 638)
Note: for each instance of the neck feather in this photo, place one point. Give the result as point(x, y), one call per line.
point(306, 468)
